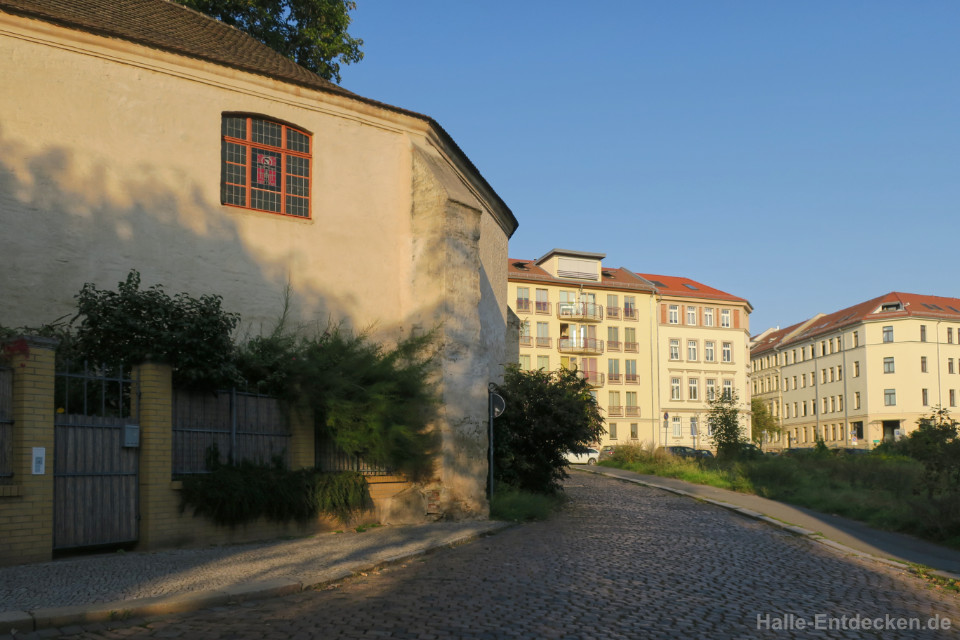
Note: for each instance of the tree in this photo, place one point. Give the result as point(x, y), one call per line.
point(312, 33)
point(761, 422)
point(724, 420)
point(548, 414)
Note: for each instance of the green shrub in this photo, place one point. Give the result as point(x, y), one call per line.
point(235, 494)
point(514, 505)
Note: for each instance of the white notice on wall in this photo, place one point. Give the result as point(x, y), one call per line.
point(39, 461)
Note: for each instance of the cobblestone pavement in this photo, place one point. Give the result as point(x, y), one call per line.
point(621, 561)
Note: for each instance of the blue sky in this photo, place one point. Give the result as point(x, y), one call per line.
point(802, 155)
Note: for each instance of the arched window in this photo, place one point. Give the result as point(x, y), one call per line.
point(265, 166)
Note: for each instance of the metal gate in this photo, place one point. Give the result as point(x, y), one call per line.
point(95, 460)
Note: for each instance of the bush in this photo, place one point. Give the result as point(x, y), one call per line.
point(513, 505)
point(548, 414)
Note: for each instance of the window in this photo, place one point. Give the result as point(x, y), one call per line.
point(630, 371)
point(953, 397)
point(950, 365)
point(725, 318)
point(804, 407)
point(856, 400)
point(674, 388)
point(264, 166)
point(728, 388)
point(890, 397)
point(708, 316)
point(523, 299)
point(924, 397)
point(543, 362)
point(949, 335)
point(708, 351)
point(677, 427)
point(839, 403)
point(693, 389)
point(634, 431)
point(543, 301)
point(856, 338)
point(691, 316)
point(694, 426)
point(674, 349)
point(711, 389)
point(888, 334)
point(613, 430)
point(839, 372)
point(825, 403)
point(673, 314)
point(727, 352)
point(856, 369)
point(823, 376)
point(691, 350)
point(823, 347)
point(856, 429)
point(613, 306)
point(525, 362)
point(923, 333)
point(803, 380)
point(888, 366)
point(632, 408)
point(629, 307)
point(630, 340)
point(923, 364)
point(543, 335)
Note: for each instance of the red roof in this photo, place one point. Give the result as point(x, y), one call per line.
point(619, 278)
point(680, 286)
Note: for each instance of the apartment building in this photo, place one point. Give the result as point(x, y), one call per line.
point(654, 348)
point(861, 375)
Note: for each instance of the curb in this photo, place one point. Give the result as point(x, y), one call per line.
point(77, 615)
point(790, 528)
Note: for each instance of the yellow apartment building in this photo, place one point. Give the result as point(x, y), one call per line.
point(861, 375)
point(624, 331)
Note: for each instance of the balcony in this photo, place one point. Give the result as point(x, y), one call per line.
point(631, 411)
point(614, 345)
point(630, 313)
point(526, 341)
point(587, 346)
point(593, 378)
point(614, 378)
point(631, 347)
point(581, 311)
point(615, 410)
point(543, 343)
point(613, 313)
point(543, 307)
point(523, 305)
point(631, 378)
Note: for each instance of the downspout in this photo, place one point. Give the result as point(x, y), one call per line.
point(655, 369)
point(846, 400)
point(939, 381)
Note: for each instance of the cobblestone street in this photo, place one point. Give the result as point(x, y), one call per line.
point(621, 561)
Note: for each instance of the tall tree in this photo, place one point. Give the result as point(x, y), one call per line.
point(724, 420)
point(761, 422)
point(312, 33)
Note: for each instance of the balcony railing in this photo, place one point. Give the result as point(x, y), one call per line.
point(543, 307)
point(543, 343)
point(580, 345)
point(526, 341)
point(630, 313)
point(614, 345)
point(631, 411)
point(614, 410)
point(614, 378)
point(632, 347)
point(593, 378)
point(523, 305)
point(584, 311)
point(631, 378)
point(613, 313)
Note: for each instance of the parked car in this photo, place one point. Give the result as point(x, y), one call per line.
point(704, 454)
point(590, 457)
point(606, 452)
point(679, 451)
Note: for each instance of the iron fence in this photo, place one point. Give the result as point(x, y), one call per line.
point(330, 457)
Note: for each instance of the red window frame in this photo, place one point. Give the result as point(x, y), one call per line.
point(266, 177)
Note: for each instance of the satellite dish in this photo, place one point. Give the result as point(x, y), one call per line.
point(497, 404)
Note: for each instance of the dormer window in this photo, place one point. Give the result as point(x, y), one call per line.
point(891, 306)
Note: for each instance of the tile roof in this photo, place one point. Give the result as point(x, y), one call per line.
point(773, 339)
point(171, 27)
point(899, 305)
point(680, 286)
point(619, 278)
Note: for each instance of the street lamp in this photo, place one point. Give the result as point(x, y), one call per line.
point(495, 406)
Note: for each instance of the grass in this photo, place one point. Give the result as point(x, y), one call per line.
point(513, 505)
point(879, 490)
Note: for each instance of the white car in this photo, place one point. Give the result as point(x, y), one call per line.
point(590, 457)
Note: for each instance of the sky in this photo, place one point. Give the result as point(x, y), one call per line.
point(802, 155)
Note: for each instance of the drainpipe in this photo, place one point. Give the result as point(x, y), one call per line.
point(655, 366)
point(816, 390)
point(939, 381)
point(846, 400)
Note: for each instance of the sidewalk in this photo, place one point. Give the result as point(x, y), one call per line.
point(99, 588)
point(840, 533)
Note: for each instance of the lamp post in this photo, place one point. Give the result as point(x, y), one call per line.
point(495, 408)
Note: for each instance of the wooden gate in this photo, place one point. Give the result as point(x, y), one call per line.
point(96, 461)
